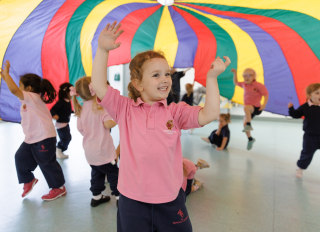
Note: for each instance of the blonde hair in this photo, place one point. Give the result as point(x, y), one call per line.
point(226, 117)
point(252, 70)
point(311, 88)
point(82, 89)
point(136, 71)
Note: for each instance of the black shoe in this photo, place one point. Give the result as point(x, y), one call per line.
point(103, 199)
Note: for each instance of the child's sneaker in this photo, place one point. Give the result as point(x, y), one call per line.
point(60, 154)
point(196, 185)
point(250, 144)
point(202, 164)
point(103, 199)
point(299, 173)
point(54, 194)
point(247, 128)
point(27, 187)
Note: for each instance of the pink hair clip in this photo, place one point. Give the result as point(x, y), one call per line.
point(73, 91)
point(92, 92)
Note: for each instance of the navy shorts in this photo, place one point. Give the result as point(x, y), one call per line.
point(256, 111)
point(136, 216)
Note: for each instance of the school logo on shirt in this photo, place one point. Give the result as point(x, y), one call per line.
point(169, 124)
point(24, 107)
point(182, 217)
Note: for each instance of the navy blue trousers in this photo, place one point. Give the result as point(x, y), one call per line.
point(215, 139)
point(310, 144)
point(98, 174)
point(189, 186)
point(42, 153)
point(136, 216)
point(65, 138)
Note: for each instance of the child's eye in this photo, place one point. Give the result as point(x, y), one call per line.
point(168, 74)
point(156, 75)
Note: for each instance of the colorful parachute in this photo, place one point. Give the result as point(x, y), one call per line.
point(57, 39)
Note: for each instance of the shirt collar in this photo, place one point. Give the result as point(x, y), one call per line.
point(310, 103)
point(140, 102)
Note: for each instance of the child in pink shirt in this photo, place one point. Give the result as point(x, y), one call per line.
point(39, 146)
point(150, 176)
point(94, 124)
point(253, 92)
point(190, 184)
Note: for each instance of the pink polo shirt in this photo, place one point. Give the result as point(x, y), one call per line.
point(36, 120)
point(151, 158)
point(97, 141)
point(253, 93)
point(191, 170)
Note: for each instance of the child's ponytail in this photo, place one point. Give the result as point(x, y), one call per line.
point(39, 86)
point(76, 105)
point(133, 92)
point(47, 91)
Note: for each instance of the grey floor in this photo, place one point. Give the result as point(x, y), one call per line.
point(244, 191)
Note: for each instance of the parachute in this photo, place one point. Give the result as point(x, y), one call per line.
point(57, 40)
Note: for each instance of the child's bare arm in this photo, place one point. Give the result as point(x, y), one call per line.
point(223, 144)
point(211, 109)
point(235, 76)
point(109, 124)
point(14, 89)
point(106, 43)
point(265, 101)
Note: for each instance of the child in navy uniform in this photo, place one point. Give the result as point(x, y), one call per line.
point(311, 126)
point(39, 145)
point(61, 112)
point(220, 137)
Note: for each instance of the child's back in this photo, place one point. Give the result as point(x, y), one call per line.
point(97, 141)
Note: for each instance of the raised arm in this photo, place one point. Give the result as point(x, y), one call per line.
point(235, 76)
point(14, 89)
point(106, 42)
point(211, 109)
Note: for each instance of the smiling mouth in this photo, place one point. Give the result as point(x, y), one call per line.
point(163, 88)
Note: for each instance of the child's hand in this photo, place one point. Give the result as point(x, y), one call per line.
point(233, 70)
point(108, 36)
point(5, 72)
point(219, 148)
point(218, 66)
point(262, 107)
point(290, 105)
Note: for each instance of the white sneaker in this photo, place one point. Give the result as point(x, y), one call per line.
point(299, 173)
point(60, 155)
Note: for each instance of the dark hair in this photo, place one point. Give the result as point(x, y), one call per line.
point(136, 71)
point(40, 86)
point(226, 117)
point(64, 91)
